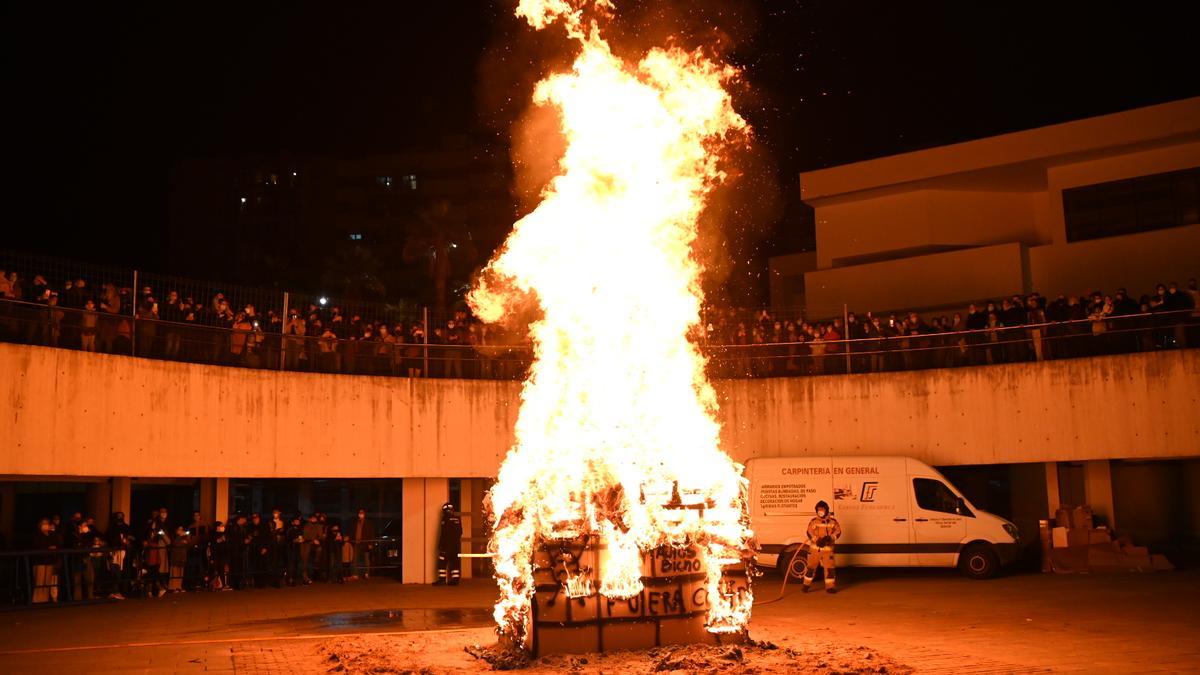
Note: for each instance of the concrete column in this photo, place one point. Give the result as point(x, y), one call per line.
point(467, 488)
point(304, 496)
point(99, 503)
point(8, 512)
point(120, 497)
point(214, 499)
point(1053, 500)
point(1097, 487)
point(422, 516)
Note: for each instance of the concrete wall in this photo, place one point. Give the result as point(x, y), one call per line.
point(1139, 405)
point(923, 218)
point(935, 280)
point(786, 278)
point(1134, 261)
point(74, 413)
point(1152, 125)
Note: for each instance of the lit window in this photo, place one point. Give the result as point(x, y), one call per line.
point(356, 237)
point(243, 200)
point(385, 181)
point(411, 181)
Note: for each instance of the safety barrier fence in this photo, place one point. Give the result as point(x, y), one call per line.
point(73, 576)
point(248, 344)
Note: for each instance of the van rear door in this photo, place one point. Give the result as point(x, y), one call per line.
point(871, 503)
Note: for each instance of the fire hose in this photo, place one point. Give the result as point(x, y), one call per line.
point(787, 572)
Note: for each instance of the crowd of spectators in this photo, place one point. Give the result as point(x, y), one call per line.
point(321, 337)
point(77, 560)
point(1017, 328)
point(317, 336)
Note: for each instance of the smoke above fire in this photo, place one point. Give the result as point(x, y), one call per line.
point(617, 434)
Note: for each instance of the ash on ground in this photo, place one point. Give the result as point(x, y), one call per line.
point(750, 657)
point(476, 650)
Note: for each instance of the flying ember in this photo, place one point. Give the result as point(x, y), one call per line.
point(617, 443)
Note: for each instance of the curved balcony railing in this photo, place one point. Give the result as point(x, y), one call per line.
point(248, 345)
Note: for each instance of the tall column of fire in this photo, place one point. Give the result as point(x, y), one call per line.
point(617, 428)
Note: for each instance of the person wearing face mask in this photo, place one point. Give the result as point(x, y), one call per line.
point(83, 572)
point(45, 580)
point(823, 531)
point(156, 562)
point(362, 535)
point(177, 554)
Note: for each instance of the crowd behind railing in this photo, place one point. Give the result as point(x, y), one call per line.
point(74, 560)
point(319, 335)
point(1011, 330)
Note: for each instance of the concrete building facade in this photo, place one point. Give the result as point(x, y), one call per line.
point(1105, 202)
point(1118, 432)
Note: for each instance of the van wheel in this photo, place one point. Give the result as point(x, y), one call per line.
point(979, 561)
point(796, 565)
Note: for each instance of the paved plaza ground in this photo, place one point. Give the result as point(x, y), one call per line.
point(929, 621)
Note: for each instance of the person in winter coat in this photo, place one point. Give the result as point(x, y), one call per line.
point(218, 558)
point(177, 558)
point(45, 568)
point(156, 561)
point(361, 534)
point(295, 540)
point(311, 547)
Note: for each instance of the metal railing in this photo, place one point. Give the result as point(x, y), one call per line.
point(30, 578)
point(248, 344)
point(56, 576)
point(991, 346)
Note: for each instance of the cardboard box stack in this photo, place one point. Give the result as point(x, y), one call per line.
point(1078, 546)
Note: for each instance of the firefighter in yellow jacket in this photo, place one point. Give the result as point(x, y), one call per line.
point(823, 531)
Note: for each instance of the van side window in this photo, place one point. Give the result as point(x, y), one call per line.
point(933, 496)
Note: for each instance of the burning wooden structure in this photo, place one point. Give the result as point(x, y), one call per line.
point(570, 615)
point(617, 519)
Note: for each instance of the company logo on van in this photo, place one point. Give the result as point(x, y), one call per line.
point(868, 491)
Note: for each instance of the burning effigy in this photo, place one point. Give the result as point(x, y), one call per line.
point(616, 505)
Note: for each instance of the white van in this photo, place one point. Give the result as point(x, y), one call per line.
point(894, 512)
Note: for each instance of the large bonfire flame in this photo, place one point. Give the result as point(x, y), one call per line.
point(617, 427)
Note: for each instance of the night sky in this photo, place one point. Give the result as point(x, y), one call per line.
point(103, 97)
